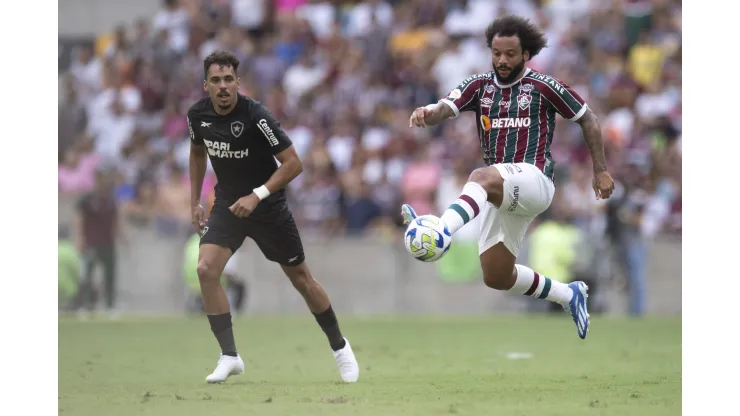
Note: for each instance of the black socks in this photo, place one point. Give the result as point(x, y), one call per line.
point(221, 327)
point(327, 320)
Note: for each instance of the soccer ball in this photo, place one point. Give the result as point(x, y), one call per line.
point(427, 239)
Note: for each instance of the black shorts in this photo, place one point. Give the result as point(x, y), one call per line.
point(273, 230)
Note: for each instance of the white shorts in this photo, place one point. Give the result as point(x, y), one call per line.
point(527, 194)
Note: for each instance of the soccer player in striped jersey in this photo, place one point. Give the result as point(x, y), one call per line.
point(515, 110)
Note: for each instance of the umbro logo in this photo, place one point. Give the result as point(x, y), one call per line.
point(204, 124)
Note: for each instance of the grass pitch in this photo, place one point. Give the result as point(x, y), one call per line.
point(408, 366)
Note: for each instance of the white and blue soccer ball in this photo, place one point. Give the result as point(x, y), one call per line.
point(427, 239)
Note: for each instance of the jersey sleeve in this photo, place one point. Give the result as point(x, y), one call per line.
point(195, 138)
point(465, 96)
point(268, 128)
point(563, 99)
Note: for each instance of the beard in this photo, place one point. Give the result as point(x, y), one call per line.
point(513, 73)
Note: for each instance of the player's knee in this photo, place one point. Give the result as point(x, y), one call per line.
point(490, 179)
point(207, 271)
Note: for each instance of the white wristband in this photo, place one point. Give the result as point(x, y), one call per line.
point(262, 192)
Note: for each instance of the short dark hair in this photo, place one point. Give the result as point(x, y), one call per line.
point(530, 36)
point(220, 58)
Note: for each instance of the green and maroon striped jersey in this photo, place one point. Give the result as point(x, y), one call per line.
point(516, 121)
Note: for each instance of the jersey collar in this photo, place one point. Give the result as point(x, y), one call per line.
point(495, 79)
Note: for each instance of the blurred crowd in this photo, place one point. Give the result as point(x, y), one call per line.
point(343, 77)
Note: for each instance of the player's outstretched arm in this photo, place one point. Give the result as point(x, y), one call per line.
point(603, 183)
point(430, 115)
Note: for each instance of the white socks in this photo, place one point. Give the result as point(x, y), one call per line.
point(530, 283)
point(466, 207)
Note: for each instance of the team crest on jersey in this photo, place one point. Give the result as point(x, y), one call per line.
point(490, 89)
point(524, 100)
point(237, 127)
point(485, 122)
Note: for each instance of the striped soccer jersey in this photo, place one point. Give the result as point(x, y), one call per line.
point(516, 121)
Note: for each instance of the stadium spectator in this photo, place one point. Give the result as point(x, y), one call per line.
point(98, 230)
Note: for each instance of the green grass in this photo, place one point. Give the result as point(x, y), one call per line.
point(409, 366)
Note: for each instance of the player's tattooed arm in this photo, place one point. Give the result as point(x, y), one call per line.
point(430, 115)
point(442, 111)
point(592, 134)
point(290, 167)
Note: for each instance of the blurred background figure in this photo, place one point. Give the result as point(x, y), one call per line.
point(69, 270)
point(560, 248)
point(233, 279)
point(98, 230)
point(627, 230)
point(343, 76)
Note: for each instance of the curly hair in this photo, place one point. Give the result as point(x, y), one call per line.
point(530, 36)
point(220, 58)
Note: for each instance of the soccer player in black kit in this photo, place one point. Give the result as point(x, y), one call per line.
point(242, 139)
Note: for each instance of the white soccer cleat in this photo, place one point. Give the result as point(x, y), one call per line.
point(348, 368)
point(227, 366)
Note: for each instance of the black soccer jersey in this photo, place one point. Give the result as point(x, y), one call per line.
point(241, 146)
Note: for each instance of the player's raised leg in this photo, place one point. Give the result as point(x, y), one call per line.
point(470, 202)
point(211, 262)
point(482, 186)
point(511, 195)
